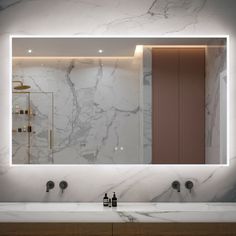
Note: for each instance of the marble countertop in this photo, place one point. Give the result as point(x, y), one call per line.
point(125, 212)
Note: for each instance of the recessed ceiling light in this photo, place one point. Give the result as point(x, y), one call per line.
point(100, 51)
point(29, 50)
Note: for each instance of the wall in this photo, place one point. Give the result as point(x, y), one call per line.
point(95, 111)
point(132, 182)
point(147, 104)
point(214, 96)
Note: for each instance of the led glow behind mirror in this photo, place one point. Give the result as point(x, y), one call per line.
point(85, 108)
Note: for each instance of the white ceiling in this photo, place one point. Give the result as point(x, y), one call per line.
point(88, 47)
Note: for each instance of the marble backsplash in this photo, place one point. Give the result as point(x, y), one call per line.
point(135, 17)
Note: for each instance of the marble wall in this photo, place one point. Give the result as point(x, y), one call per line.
point(95, 111)
point(104, 17)
point(215, 98)
point(147, 104)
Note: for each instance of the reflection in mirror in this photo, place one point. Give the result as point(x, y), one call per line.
point(119, 100)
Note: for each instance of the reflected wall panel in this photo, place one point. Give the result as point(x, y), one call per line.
point(178, 105)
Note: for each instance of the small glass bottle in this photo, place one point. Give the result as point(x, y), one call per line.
point(105, 200)
point(29, 129)
point(114, 200)
point(17, 109)
point(24, 128)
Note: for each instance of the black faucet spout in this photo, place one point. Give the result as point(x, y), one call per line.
point(63, 185)
point(176, 185)
point(49, 185)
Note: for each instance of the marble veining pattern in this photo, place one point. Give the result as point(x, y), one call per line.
point(137, 183)
point(125, 212)
point(147, 104)
point(215, 65)
point(159, 11)
point(96, 111)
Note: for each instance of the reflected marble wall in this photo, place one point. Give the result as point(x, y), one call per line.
point(147, 104)
point(105, 17)
point(95, 110)
point(215, 99)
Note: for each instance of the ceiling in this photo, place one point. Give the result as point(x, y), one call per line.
point(88, 47)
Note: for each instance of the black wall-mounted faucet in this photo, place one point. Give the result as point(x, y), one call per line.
point(189, 185)
point(176, 185)
point(63, 185)
point(49, 185)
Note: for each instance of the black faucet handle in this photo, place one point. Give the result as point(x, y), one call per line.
point(49, 185)
point(189, 185)
point(63, 185)
point(176, 185)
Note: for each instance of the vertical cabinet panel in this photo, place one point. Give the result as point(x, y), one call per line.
point(165, 92)
point(178, 102)
point(94, 229)
point(117, 229)
point(55, 229)
point(192, 105)
point(174, 229)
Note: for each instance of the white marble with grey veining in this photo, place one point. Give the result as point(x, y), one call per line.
point(215, 140)
point(135, 17)
point(124, 212)
point(95, 110)
point(147, 104)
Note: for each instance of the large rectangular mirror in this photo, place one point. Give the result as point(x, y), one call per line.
point(119, 100)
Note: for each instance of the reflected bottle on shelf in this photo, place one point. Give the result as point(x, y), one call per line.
point(17, 109)
point(29, 128)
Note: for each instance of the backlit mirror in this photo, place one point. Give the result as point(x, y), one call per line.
point(108, 100)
